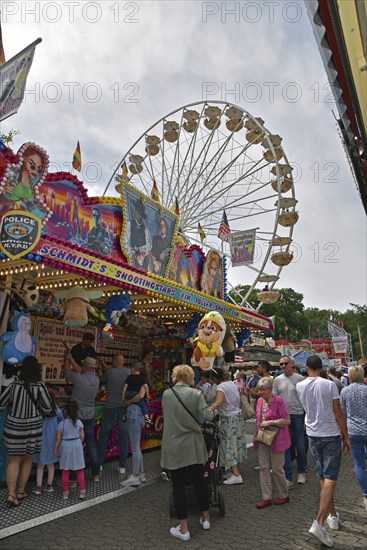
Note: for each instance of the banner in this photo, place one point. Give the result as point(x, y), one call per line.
point(242, 245)
point(149, 283)
point(13, 79)
point(340, 344)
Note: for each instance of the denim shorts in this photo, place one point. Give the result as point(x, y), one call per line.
point(326, 454)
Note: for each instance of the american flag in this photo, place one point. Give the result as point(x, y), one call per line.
point(224, 231)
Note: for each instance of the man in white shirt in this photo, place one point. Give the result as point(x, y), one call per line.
point(325, 422)
point(284, 385)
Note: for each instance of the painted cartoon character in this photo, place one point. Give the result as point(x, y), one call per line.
point(77, 305)
point(18, 343)
point(115, 307)
point(212, 329)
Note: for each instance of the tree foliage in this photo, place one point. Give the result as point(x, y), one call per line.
point(302, 322)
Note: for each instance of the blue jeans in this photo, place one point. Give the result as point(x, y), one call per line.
point(113, 417)
point(297, 433)
point(359, 447)
point(135, 422)
point(91, 445)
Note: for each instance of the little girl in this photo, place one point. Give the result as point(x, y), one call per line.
point(69, 448)
point(47, 456)
point(133, 384)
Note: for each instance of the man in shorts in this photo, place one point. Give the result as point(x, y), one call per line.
point(327, 433)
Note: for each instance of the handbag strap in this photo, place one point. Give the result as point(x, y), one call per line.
point(184, 406)
point(31, 397)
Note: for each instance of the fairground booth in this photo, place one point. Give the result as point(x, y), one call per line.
point(119, 267)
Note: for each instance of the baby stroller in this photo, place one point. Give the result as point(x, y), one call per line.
point(212, 471)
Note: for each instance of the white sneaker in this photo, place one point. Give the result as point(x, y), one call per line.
point(205, 523)
point(131, 481)
point(142, 477)
point(333, 522)
point(289, 484)
point(257, 468)
point(364, 502)
point(233, 480)
point(121, 470)
point(321, 534)
point(164, 476)
point(176, 532)
point(301, 478)
point(65, 495)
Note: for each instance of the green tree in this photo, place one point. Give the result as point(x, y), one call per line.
point(288, 310)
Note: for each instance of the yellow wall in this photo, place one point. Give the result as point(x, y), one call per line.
point(352, 35)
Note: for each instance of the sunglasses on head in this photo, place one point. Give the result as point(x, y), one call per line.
point(281, 364)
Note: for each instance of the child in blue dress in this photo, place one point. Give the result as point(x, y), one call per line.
point(47, 455)
point(69, 448)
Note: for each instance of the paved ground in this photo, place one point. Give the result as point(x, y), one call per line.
point(140, 520)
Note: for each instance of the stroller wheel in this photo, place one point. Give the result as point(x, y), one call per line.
point(218, 476)
point(172, 509)
point(221, 504)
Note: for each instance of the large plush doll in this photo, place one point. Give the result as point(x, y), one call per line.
point(77, 305)
point(212, 329)
point(18, 343)
point(115, 306)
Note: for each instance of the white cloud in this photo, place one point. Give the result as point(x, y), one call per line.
point(167, 56)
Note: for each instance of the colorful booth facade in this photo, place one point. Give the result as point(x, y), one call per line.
point(58, 243)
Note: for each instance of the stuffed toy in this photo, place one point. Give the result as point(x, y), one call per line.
point(114, 308)
point(211, 329)
point(77, 305)
point(18, 343)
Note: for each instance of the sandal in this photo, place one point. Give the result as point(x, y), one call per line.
point(12, 501)
point(21, 495)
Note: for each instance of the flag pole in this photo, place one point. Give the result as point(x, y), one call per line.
point(360, 341)
point(22, 51)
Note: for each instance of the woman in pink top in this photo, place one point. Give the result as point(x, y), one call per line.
point(272, 411)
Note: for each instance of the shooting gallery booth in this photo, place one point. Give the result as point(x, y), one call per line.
point(115, 266)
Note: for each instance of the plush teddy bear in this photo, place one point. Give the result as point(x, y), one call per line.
point(212, 329)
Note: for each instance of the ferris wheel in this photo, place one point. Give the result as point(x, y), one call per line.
point(215, 156)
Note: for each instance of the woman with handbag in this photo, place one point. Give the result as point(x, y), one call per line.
point(29, 400)
point(232, 431)
point(183, 448)
point(271, 440)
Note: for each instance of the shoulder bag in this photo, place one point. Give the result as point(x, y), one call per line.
point(247, 410)
point(184, 406)
point(266, 436)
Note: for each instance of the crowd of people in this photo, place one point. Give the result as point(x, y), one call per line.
point(293, 413)
point(37, 432)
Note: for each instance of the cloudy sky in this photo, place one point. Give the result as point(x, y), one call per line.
point(106, 71)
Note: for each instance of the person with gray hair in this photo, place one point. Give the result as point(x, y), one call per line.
point(183, 447)
point(353, 400)
point(272, 411)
